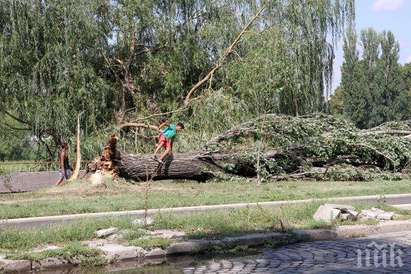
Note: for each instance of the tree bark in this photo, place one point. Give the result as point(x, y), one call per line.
point(179, 166)
point(199, 166)
point(77, 167)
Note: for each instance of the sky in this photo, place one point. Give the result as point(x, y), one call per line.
point(393, 15)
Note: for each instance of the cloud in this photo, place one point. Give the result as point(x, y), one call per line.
point(408, 59)
point(387, 5)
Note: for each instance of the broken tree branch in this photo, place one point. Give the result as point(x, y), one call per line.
point(78, 152)
point(181, 109)
point(18, 119)
point(220, 63)
point(138, 125)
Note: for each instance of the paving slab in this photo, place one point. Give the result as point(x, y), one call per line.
point(119, 252)
point(156, 252)
point(103, 233)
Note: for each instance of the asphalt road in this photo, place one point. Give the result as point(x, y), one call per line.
point(27, 181)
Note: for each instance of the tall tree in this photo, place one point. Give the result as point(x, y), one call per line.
point(403, 103)
point(372, 86)
point(120, 60)
point(296, 54)
point(337, 102)
point(50, 68)
point(310, 30)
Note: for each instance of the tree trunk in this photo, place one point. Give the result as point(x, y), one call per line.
point(191, 166)
point(198, 166)
point(179, 166)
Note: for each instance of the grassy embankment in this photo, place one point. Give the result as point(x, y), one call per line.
point(202, 225)
point(84, 198)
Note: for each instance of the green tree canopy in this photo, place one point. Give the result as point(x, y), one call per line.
point(117, 60)
point(373, 87)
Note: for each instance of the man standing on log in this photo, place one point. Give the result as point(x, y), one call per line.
point(65, 168)
point(166, 138)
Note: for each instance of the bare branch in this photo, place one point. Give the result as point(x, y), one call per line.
point(139, 125)
point(18, 119)
point(16, 128)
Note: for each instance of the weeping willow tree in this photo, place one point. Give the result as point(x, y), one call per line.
point(49, 67)
point(311, 30)
point(160, 48)
point(288, 56)
point(122, 60)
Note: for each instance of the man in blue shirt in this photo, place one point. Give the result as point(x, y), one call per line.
point(166, 139)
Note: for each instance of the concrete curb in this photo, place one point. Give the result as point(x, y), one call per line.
point(249, 240)
point(29, 223)
point(403, 206)
point(258, 239)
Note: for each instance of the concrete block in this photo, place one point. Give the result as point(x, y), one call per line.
point(52, 262)
point(188, 247)
point(121, 252)
point(156, 252)
point(326, 213)
point(168, 234)
point(103, 233)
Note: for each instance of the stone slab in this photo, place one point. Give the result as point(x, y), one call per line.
point(103, 233)
point(168, 234)
point(156, 252)
point(52, 262)
point(120, 252)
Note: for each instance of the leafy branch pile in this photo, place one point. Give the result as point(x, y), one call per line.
point(320, 147)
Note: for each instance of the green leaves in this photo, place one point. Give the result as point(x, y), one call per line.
point(49, 66)
point(59, 58)
point(373, 88)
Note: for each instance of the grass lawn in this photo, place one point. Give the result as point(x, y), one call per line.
point(199, 225)
point(210, 225)
point(19, 166)
point(81, 197)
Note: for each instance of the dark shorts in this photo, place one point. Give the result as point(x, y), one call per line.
point(166, 143)
point(67, 175)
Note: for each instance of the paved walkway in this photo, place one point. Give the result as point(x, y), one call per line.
point(384, 253)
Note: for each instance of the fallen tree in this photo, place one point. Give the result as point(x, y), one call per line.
point(199, 166)
point(315, 147)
